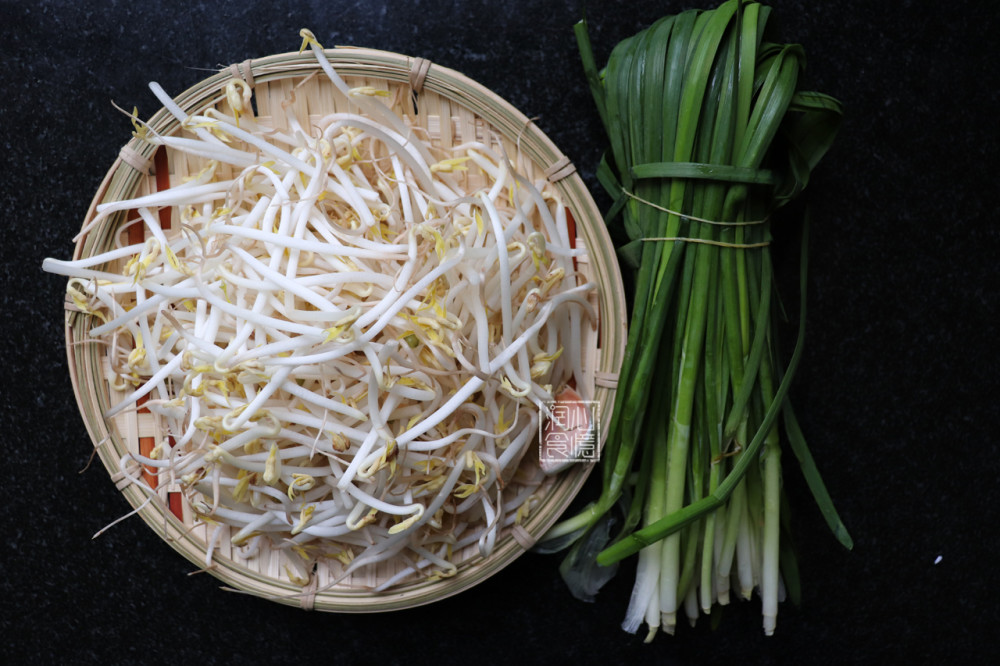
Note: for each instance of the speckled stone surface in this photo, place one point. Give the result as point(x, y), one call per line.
point(897, 391)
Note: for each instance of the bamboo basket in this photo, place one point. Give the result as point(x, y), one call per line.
point(451, 108)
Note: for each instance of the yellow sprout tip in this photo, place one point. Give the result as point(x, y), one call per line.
point(308, 38)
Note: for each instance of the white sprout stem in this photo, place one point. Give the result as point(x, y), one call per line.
point(471, 386)
point(502, 260)
point(148, 386)
point(310, 246)
point(268, 149)
point(178, 113)
point(184, 194)
point(209, 151)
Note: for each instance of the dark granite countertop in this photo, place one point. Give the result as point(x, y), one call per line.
point(897, 390)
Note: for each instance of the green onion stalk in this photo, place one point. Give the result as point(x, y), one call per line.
point(709, 136)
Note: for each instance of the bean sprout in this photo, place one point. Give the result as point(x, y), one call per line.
point(350, 337)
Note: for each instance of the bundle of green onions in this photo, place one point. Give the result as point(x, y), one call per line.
point(709, 136)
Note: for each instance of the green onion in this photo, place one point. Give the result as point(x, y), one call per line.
point(709, 135)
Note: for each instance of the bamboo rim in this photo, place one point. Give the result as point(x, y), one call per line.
point(436, 92)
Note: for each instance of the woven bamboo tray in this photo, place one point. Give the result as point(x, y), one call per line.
point(452, 108)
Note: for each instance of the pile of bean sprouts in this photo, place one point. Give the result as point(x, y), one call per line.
point(348, 340)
